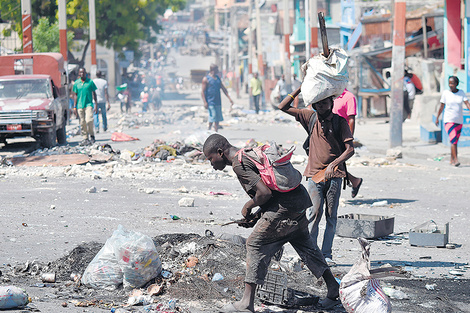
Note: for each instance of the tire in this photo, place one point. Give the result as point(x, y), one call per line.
point(61, 135)
point(49, 139)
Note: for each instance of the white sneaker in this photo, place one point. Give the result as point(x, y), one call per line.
point(330, 262)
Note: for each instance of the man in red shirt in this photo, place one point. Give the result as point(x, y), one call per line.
point(346, 107)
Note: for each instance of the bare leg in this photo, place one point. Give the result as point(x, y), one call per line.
point(210, 126)
point(248, 299)
point(453, 154)
point(216, 126)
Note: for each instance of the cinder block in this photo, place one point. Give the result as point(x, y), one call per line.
point(429, 235)
point(364, 225)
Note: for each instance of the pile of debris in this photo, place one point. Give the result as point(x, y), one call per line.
point(198, 272)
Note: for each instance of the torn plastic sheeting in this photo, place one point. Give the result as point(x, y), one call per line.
point(117, 136)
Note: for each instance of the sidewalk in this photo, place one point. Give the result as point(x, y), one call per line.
point(374, 134)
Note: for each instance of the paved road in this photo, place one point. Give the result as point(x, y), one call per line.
point(417, 189)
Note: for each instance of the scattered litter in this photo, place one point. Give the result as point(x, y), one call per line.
point(217, 277)
point(48, 277)
point(174, 217)
point(450, 246)
point(91, 190)
point(379, 203)
point(191, 261)
point(220, 193)
point(431, 286)
point(456, 272)
point(394, 293)
point(116, 136)
point(12, 297)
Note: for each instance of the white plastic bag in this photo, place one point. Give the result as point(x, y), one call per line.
point(325, 77)
point(128, 258)
point(12, 297)
point(359, 292)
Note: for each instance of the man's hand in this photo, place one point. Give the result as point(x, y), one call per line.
point(329, 171)
point(95, 110)
point(437, 122)
point(248, 223)
point(246, 212)
point(109, 107)
point(75, 113)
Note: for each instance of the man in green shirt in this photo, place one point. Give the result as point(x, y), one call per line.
point(84, 94)
point(256, 89)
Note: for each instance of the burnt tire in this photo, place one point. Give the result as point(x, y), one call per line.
point(48, 139)
point(61, 135)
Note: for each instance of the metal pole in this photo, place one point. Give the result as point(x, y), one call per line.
point(27, 26)
point(287, 64)
point(250, 38)
point(237, 50)
point(259, 42)
point(92, 17)
point(307, 30)
point(63, 30)
point(425, 36)
point(398, 68)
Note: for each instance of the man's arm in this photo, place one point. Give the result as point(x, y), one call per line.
point(203, 92)
point(95, 109)
point(263, 194)
point(107, 97)
point(467, 104)
point(352, 123)
point(226, 93)
point(285, 104)
point(349, 152)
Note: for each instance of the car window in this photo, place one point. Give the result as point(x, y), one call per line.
point(25, 89)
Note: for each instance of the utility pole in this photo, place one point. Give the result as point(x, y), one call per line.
point(236, 68)
point(250, 38)
point(259, 42)
point(398, 68)
point(92, 17)
point(63, 30)
point(27, 26)
point(63, 39)
point(287, 64)
point(307, 30)
point(313, 27)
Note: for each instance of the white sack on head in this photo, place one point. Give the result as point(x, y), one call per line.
point(325, 77)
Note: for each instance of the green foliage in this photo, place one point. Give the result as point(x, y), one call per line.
point(46, 37)
point(119, 23)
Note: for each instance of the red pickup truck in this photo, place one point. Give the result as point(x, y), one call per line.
point(33, 100)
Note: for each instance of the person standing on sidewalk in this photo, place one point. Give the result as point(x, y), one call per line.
point(283, 220)
point(330, 146)
point(84, 94)
point(103, 99)
point(452, 101)
point(345, 106)
point(256, 89)
point(211, 85)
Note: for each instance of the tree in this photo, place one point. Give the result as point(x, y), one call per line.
point(119, 23)
point(46, 37)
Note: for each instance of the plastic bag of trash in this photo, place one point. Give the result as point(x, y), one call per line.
point(137, 256)
point(128, 258)
point(359, 292)
point(12, 297)
point(104, 272)
point(325, 77)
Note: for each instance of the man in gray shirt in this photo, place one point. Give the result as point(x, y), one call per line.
point(103, 99)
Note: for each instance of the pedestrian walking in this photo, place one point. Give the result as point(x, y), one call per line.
point(346, 107)
point(84, 94)
point(330, 145)
point(283, 220)
point(211, 86)
point(256, 90)
point(281, 86)
point(103, 105)
point(452, 101)
point(410, 93)
point(144, 98)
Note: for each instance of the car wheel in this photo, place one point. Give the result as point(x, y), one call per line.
point(49, 139)
point(61, 135)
